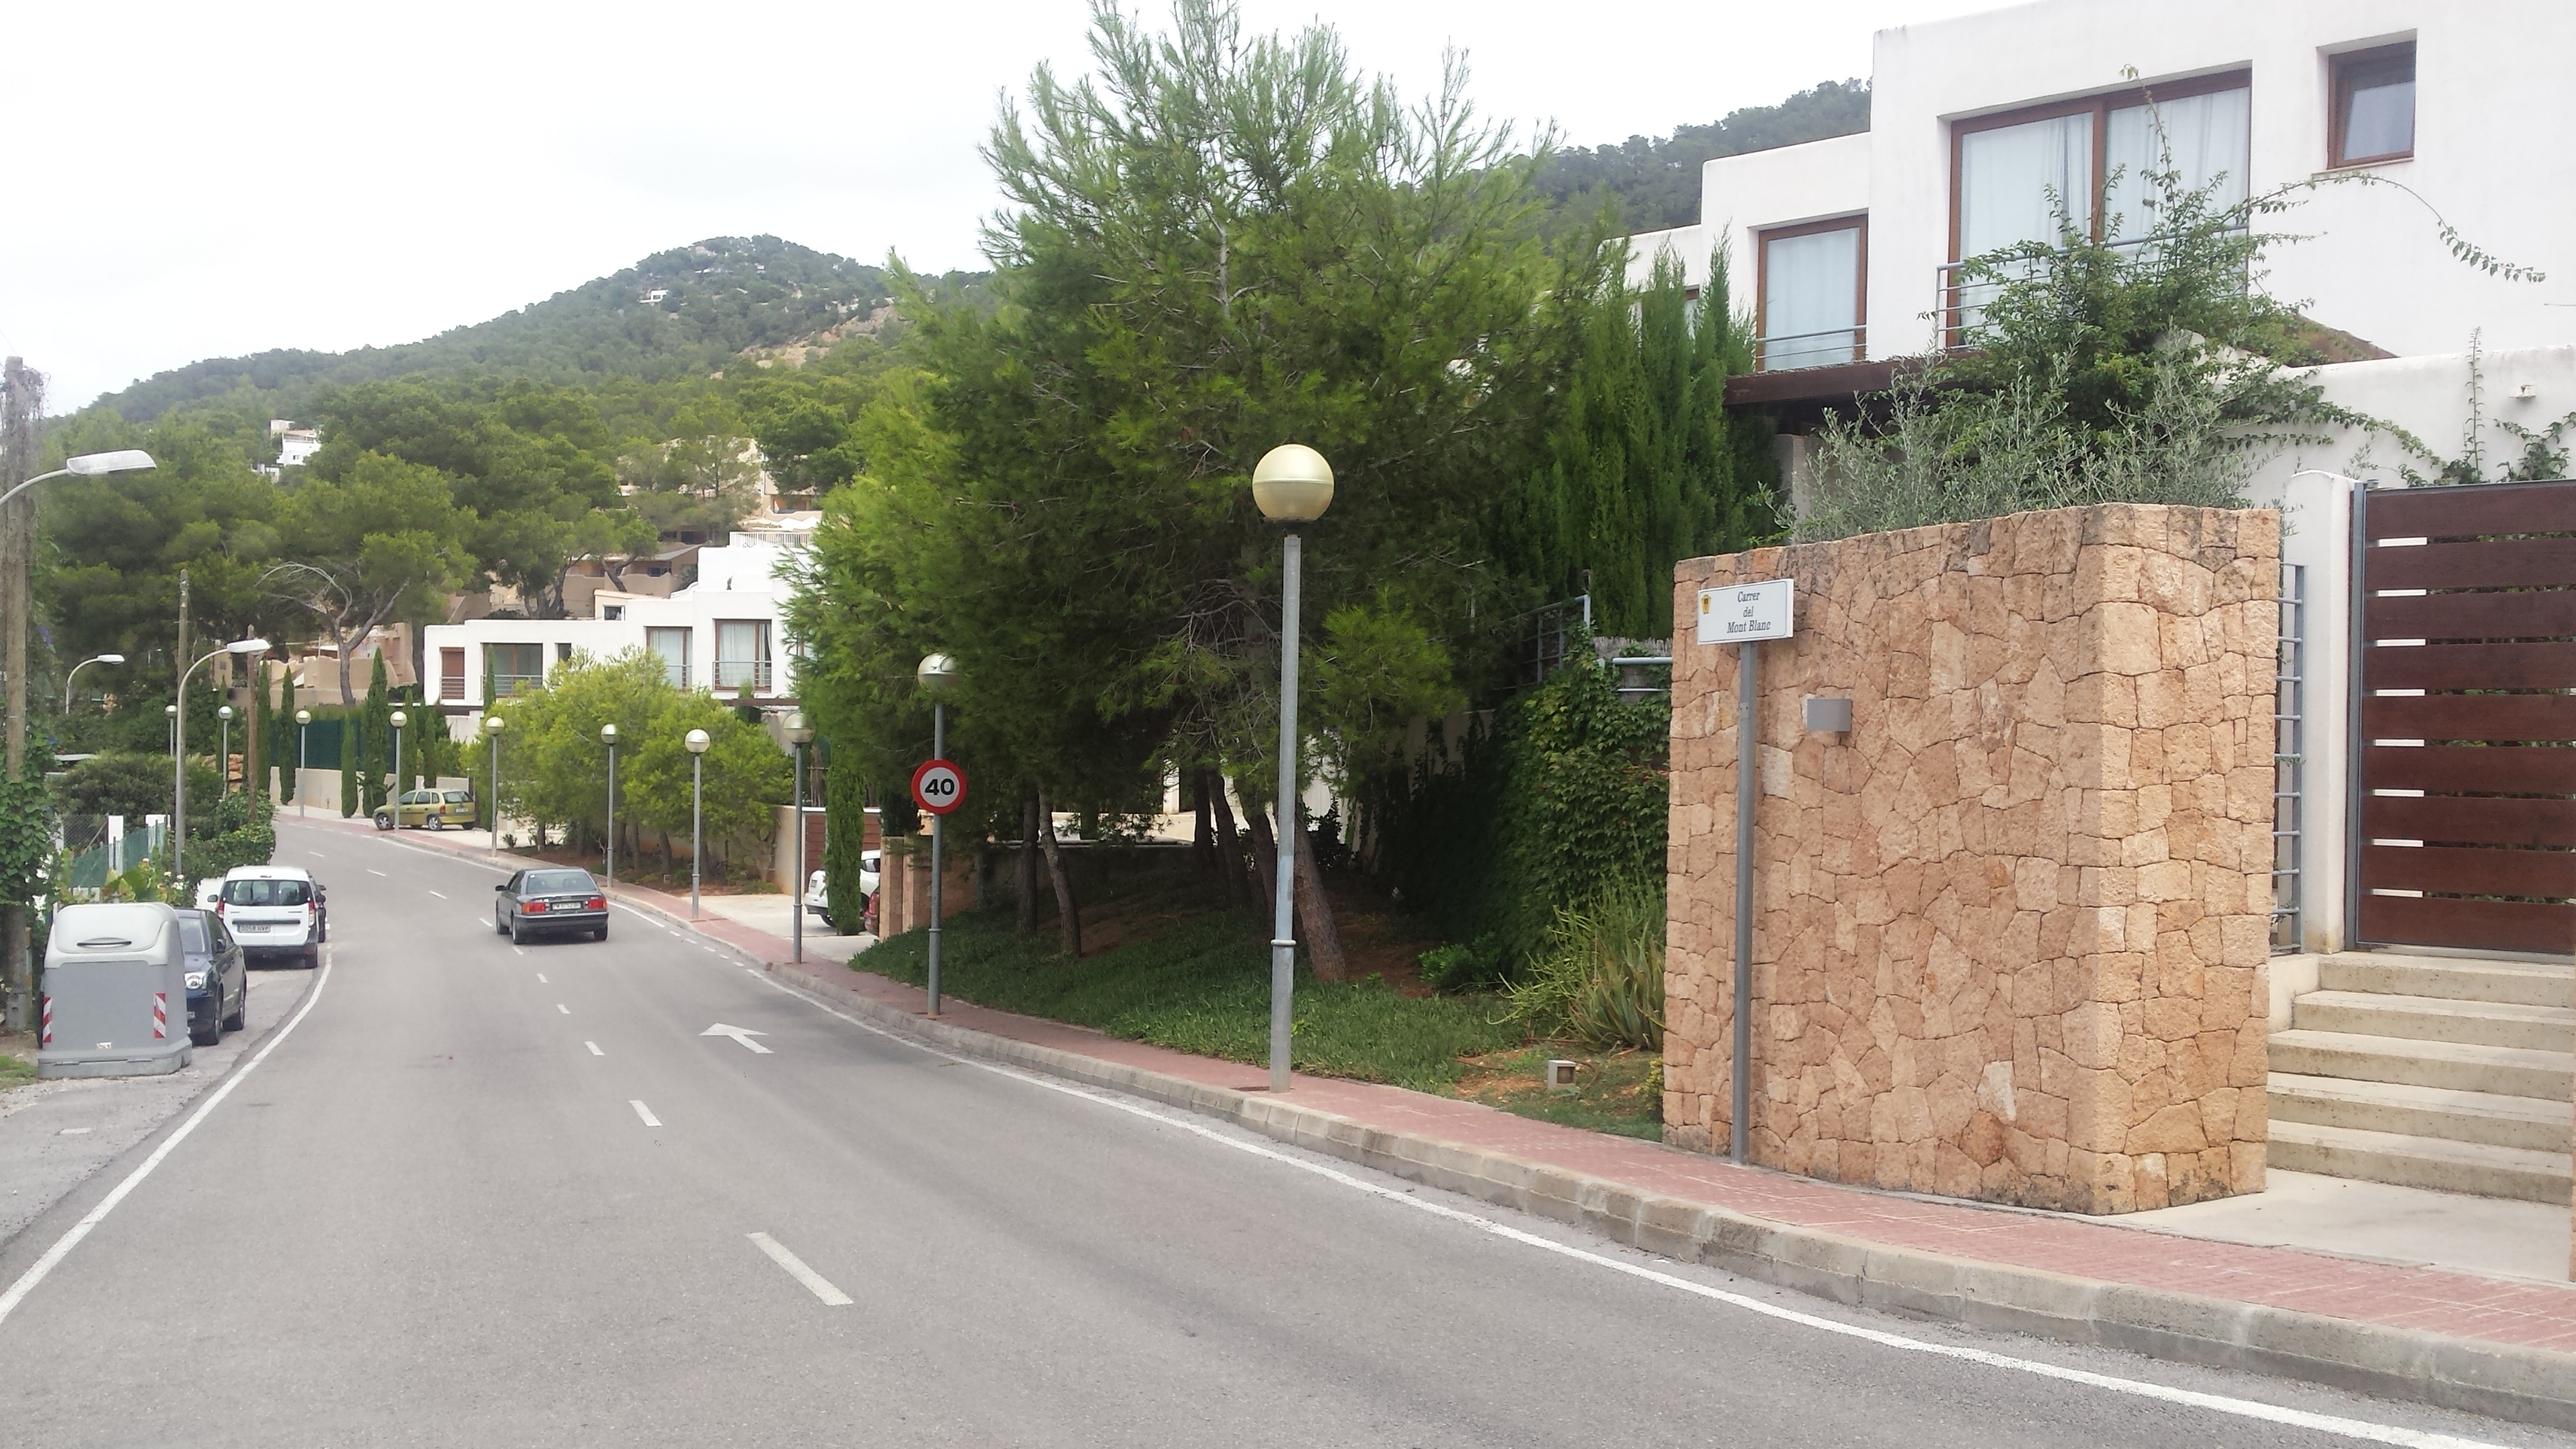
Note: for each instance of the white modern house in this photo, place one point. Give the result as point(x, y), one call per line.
point(724, 631)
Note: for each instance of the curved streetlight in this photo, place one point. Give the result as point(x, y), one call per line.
point(224, 754)
point(89, 465)
point(799, 735)
point(303, 719)
point(937, 675)
point(493, 724)
point(697, 742)
point(608, 737)
point(75, 674)
point(397, 719)
point(1292, 485)
point(179, 743)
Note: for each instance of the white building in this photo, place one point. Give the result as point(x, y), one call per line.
point(295, 446)
point(724, 631)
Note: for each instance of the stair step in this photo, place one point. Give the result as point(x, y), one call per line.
point(2529, 1123)
point(2429, 1018)
point(2469, 1167)
point(2506, 1071)
point(2519, 982)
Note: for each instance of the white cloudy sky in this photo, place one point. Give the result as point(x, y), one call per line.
point(209, 178)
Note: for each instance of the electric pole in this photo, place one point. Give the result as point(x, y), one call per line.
point(22, 402)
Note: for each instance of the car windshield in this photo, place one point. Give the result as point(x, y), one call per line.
point(555, 880)
point(192, 933)
point(265, 893)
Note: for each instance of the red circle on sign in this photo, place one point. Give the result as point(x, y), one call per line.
point(939, 786)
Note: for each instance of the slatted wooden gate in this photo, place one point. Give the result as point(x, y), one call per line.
point(2468, 717)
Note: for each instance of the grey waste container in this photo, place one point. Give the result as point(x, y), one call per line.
point(115, 993)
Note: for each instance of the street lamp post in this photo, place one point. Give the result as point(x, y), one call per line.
point(938, 674)
point(799, 735)
point(1291, 485)
point(224, 754)
point(179, 751)
point(697, 743)
point(303, 720)
point(608, 737)
point(493, 724)
point(75, 674)
point(397, 719)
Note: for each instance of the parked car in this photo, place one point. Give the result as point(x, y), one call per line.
point(428, 810)
point(218, 979)
point(818, 896)
point(551, 900)
point(274, 910)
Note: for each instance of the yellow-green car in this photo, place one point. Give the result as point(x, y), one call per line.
point(429, 810)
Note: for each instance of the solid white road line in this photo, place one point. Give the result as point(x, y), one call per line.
point(2361, 1429)
point(646, 1113)
point(594, 1049)
point(63, 1246)
point(566, 1010)
point(795, 1266)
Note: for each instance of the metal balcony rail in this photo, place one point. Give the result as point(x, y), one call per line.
point(1960, 305)
point(1793, 350)
point(506, 685)
point(735, 673)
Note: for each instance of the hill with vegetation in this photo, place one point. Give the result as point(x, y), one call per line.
point(684, 312)
point(1654, 180)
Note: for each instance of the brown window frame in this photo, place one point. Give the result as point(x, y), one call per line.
point(1762, 239)
point(2100, 107)
point(2339, 86)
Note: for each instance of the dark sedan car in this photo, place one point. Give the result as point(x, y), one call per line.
point(218, 980)
point(537, 902)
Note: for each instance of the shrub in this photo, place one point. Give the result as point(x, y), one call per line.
point(1601, 979)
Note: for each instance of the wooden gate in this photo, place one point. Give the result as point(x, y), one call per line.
point(2468, 717)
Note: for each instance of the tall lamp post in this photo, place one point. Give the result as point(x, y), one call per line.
point(224, 754)
point(75, 674)
point(179, 750)
point(493, 724)
point(1292, 485)
point(697, 743)
point(608, 737)
point(938, 674)
point(799, 735)
point(303, 721)
point(398, 719)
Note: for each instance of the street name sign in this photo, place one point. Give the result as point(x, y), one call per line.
point(939, 786)
point(1745, 613)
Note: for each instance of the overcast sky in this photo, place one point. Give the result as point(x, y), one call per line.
point(207, 179)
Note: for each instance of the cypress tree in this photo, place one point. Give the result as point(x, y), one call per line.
point(377, 757)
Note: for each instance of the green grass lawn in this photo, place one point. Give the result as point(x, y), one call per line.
point(15, 1071)
point(1614, 1091)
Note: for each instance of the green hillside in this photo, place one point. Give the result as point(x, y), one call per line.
point(1655, 179)
point(682, 312)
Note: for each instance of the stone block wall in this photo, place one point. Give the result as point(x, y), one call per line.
point(2011, 929)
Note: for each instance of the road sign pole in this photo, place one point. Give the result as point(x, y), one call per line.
point(796, 881)
point(938, 751)
point(1748, 686)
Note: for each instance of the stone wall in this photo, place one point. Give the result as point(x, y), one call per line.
point(2010, 931)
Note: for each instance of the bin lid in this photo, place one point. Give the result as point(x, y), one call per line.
point(108, 929)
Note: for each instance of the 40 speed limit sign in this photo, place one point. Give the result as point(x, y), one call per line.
point(939, 786)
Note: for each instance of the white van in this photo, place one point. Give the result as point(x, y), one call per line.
point(274, 910)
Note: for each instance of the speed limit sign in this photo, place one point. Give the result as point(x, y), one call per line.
point(939, 786)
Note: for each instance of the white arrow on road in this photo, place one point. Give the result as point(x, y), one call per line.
point(741, 1034)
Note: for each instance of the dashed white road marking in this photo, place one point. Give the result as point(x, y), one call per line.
point(646, 1113)
point(566, 1010)
point(371, 870)
point(2361, 1429)
point(816, 1283)
point(541, 978)
point(442, 895)
point(594, 1049)
point(72, 1131)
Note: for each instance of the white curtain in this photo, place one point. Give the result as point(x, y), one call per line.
point(671, 646)
point(2206, 136)
point(2012, 179)
point(1810, 299)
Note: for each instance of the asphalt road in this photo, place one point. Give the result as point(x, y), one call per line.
point(485, 1195)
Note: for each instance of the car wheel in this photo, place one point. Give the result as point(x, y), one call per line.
point(518, 936)
point(241, 1011)
point(384, 821)
point(205, 1036)
point(498, 929)
point(600, 934)
point(312, 957)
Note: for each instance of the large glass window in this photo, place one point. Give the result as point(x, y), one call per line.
point(510, 669)
point(2014, 178)
point(2205, 138)
point(742, 653)
point(1811, 295)
point(2016, 172)
point(671, 646)
point(2374, 106)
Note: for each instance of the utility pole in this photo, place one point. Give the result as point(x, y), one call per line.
point(179, 746)
point(22, 402)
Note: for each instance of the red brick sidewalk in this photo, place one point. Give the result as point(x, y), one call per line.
point(2423, 1300)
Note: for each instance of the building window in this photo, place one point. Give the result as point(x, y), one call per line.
point(2373, 100)
point(563, 653)
point(742, 654)
point(612, 612)
point(1813, 307)
point(510, 669)
point(451, 674)
point(671, 646)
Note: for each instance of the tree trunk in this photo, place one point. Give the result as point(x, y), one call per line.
point(1229, 845)
point(1203, 830)
point(1314, 912)
point(1265, 859)
point(1029, 866)
point(1068, 917)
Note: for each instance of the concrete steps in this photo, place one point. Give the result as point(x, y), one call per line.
point(2433, 1072)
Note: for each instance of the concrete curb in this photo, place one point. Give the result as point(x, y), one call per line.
point(2504, 1381)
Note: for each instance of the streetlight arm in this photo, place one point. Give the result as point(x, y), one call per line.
point(32, 482)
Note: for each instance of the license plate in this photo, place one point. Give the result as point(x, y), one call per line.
point(242, 926)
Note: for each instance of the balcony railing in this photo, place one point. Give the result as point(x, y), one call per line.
point(677, 672)
point(1961, 305)
point(506, 685)
point(735, 673)
point(1790, 351)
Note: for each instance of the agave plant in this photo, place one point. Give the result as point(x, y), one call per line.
point(1601, 980)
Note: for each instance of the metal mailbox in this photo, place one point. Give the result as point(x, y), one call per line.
point(115, 993)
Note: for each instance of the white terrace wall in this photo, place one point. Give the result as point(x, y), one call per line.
point(2011, 929)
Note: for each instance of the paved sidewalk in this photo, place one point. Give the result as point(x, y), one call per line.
point(2495, 1345)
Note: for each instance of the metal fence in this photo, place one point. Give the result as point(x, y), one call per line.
point(2289, 764)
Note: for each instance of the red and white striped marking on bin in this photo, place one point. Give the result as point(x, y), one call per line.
point(47, 1039)
point(160, 1015)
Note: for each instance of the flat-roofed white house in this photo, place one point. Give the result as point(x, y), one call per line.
point(725, 631)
